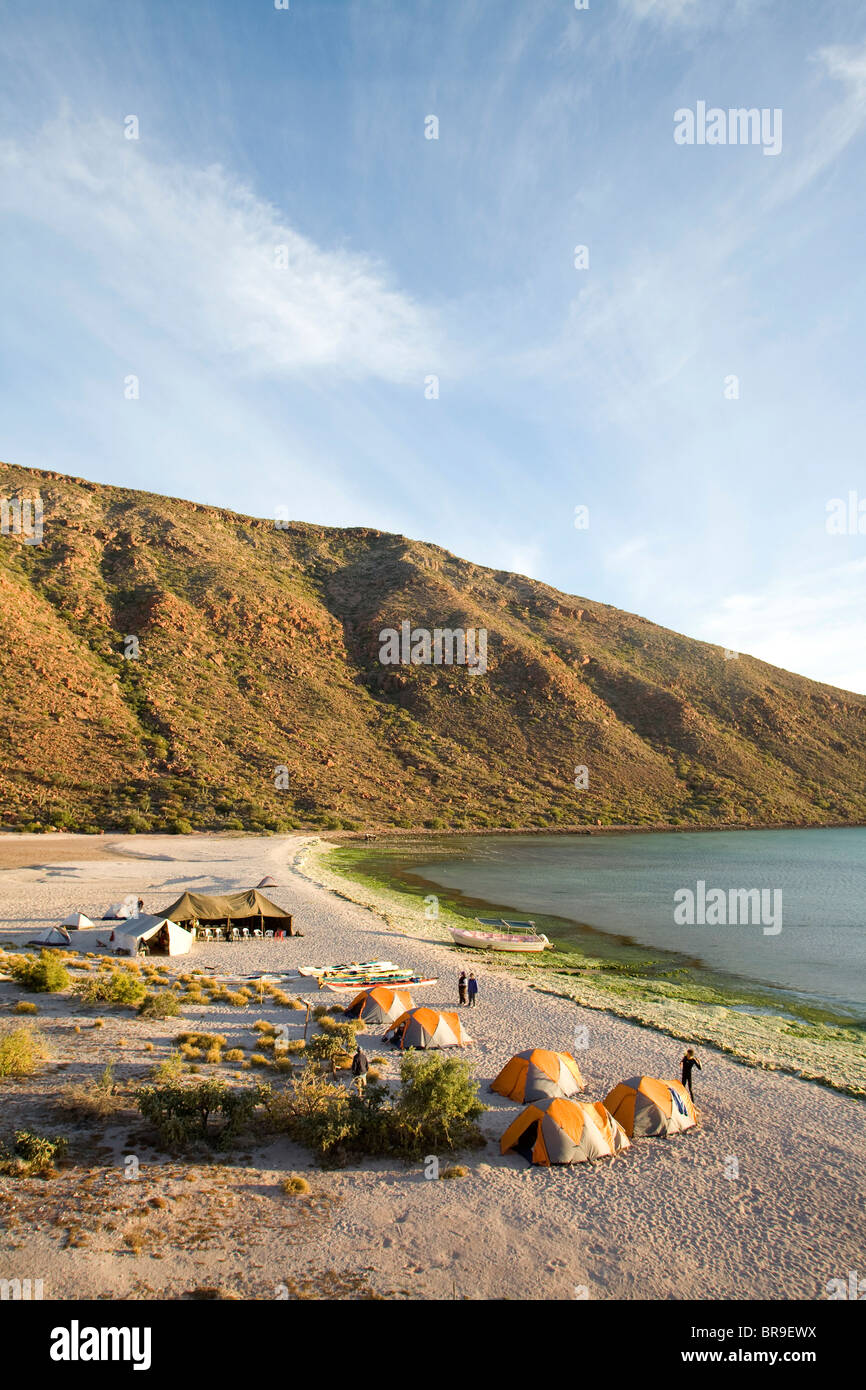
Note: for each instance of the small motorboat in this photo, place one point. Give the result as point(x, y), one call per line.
point(501, 934)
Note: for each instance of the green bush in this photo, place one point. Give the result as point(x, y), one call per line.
point(197, 1112)
point(437, 1110)
point(162, 1005)
point(31, 1154)
point(21, 1051)
point(120, 987)
point(43, 974)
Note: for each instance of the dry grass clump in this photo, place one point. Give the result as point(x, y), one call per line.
point(261, 1025)
point(295, 1186)
point(93, 1101)
point(235, 1054)
point(24, 1006)
point(455, 1171)
point(258, 1059)
point(295, 1045)
point(239, 998)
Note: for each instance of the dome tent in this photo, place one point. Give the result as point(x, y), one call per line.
point(646, 1106)
point(425, 1027)
point(539, 1075)
point(76, 921)
point(564, 1131)
point(380, 1005)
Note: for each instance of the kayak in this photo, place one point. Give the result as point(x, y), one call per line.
point(348, 967)
point(371, 984)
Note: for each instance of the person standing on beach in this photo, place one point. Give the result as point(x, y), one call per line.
point(360, 1067)
point(690, 1061)
point(472, 988)
point(461, 987)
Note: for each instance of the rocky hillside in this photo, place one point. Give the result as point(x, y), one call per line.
point(257, 697)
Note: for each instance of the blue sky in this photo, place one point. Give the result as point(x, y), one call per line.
point(302, 385)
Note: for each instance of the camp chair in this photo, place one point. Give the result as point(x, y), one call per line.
point(245, 931)
point(269, 932)
point(257, 931)
point(236, 936)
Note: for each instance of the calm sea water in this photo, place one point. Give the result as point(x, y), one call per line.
point(625, 885)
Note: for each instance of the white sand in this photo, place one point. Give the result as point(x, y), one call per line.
point(663, 1221)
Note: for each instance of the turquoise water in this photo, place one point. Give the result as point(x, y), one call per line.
point(624, 886)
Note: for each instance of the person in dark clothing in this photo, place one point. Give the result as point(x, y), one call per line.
point(140, 906)
point(472, 990)
point(360, 1067)
point(690, 1061)
point(461, 987)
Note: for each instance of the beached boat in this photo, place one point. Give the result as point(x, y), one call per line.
point(500, 934)
point(412, 980)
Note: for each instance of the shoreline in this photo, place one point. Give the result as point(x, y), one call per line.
point(790, 1224)
point(829, 1054)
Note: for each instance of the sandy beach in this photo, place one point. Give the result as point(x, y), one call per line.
point(665, 1220)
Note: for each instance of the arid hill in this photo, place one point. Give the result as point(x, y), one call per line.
point(257, 698)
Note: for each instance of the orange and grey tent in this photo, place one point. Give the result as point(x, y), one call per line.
point(643, 1105)
point(539, 1075)
point(564, 1131)
point(424, 1027)
point(380, 1005)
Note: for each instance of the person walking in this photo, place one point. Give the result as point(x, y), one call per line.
point(360, 1067)
point(472, 990)
point(690, 1061)
point(461, 987)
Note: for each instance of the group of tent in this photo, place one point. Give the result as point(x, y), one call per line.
point(554, 1127)
point(408, 1025)
point(173, 932)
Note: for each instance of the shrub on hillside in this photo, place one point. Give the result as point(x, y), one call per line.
point(96, 1101)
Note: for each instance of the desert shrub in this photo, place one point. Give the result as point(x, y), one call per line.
point(235, 1054)
point(294, 1045)
point(260, 1059)
point(24, 1006)
point(238, 998)
point(203, 1111)
point(438, 1104)
point(190, 1051)
point(170, 1069)
point(119, 987)
point(455, 1171)
point(43, 974)
point(262, 1026)
point(30, 1154)
point(162, 1005)
point(437, 1109)
point(202, 1040)
point(331, 1047)
point(95, 1101)
point(21, 1051)
point(294, 1186)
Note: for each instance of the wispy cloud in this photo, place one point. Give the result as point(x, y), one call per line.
point(814, 624)
point(196, 255)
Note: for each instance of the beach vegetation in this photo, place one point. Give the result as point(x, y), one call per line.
point(42, 974)
point(207, 1111)
point(22, 1049)
point(31, 1155)
point(163, 1004)
point(122, 988)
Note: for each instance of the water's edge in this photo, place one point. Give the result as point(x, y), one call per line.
point(647, 987)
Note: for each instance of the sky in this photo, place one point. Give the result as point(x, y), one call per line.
point(238, 268)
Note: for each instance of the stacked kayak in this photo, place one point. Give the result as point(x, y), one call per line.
point(349, 967)
point(403, 977)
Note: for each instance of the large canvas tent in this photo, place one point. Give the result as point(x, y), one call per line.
point(539, 1075)
point(161, 935)
point(564, 1131)
point(247, 908)
point(646, 1106)
point(120, 912)
point(425, 1027)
